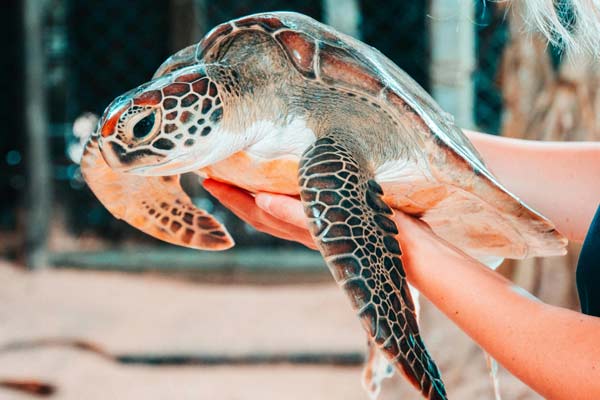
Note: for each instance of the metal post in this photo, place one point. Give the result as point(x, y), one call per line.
point(188, 22)
point(36, 123)
point(343, 15)
point(453, 57)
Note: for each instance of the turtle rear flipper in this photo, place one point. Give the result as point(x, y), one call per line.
point(156, 205)
point(351, 226)
point(482, 217)
point(377, 368)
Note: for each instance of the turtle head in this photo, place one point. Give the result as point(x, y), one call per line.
point(163, 127)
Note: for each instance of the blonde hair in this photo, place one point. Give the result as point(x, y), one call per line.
point(573, 25)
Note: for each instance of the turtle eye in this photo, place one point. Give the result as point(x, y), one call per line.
point(144, 126)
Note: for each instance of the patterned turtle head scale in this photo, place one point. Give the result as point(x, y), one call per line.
point(158, 126)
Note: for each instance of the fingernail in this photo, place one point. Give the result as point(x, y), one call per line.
point(263, 202)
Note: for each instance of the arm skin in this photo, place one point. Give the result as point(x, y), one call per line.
point(553, 350)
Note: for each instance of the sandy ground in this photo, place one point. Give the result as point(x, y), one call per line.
point(143, 314)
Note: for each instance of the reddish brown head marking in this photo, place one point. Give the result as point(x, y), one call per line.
point(170, 103)
point(200, 86)
point(149, 98)
point(185, 116)
point(176, 89)
point(212, 90)
point(189, 100)
point(108, 127)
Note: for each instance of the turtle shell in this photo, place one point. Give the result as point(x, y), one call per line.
point(320, 53)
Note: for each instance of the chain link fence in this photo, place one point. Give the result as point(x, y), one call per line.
point(491, 36)
point(12, 140)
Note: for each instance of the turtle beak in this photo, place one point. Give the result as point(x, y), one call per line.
point(112, 153)
point(140, 161)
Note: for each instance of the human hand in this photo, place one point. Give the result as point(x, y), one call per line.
point(283, 216)
point(278, 215)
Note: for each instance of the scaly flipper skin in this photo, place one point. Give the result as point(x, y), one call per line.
point(349, 222)
point(155, 205)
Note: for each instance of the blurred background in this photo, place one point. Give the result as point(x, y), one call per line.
point(91, 308)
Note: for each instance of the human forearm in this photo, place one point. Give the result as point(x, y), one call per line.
point(553, 350)
point(560, 180)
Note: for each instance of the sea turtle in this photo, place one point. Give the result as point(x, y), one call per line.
point(279, 102)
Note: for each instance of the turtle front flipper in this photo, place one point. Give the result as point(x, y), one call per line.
point(351, 226)
point(156, 205)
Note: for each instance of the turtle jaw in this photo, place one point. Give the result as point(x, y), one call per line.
point(142, 161)
point(177, 165)
point(121, 160)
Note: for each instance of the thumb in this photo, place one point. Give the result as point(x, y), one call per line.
point(282, 207)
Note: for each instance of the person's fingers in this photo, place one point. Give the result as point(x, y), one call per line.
point(231, 197)
point(290, 210)
point(417, 239)
point(238, 202)
point(283, 207)
point(243, 205)
point(411, 230)
point(408, 222)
